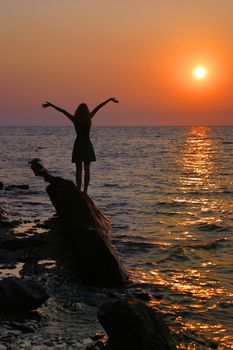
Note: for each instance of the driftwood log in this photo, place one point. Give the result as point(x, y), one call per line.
point(86, 230)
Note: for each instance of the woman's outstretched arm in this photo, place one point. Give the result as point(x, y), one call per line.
point(49, 104)
point(102, 104)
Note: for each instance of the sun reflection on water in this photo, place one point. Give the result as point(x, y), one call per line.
point(200, 177)
point(188, 283)
point(195, 295)
point(199, 168)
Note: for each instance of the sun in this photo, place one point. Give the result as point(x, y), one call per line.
point(199, 73)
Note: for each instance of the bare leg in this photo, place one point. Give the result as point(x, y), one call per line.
point(86, 176)
point(79, 175)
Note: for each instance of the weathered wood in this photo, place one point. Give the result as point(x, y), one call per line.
point(86, 230)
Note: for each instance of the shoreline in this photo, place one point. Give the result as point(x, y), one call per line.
point(69, 302)
point(68, 320)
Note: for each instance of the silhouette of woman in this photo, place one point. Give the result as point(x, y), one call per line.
point(83, 151)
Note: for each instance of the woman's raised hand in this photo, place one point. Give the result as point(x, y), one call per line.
point(113, 99)
point(46, 104)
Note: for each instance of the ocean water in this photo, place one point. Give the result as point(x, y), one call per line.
point(169, 194)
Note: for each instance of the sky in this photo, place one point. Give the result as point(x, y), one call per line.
point(141, 52)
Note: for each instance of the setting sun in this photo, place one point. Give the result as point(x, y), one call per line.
point(199, 72)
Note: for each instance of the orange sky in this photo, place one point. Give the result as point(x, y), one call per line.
point(142, 52)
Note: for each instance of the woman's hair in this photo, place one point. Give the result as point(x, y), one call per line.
point(83, 114)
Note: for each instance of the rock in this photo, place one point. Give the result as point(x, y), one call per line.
point(131, 325)
point(142, 295)
point(2, 212)
point(22, 243)
point(86, 231)
point(21, 327)
point(17, 295)
point(97, 336)
point(3, 347)
point(60, 346)
point(20, 187)
point(26, 344)
point(4, 218)
point(37, 347)
point(1, 185)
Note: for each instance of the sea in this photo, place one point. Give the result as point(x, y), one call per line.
point(169, 194)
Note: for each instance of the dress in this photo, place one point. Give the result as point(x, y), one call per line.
point(83, 150)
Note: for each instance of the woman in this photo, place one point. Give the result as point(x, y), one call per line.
point(83, 151)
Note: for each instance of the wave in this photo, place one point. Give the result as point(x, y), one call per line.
point(204, 245)
point(111, 185)
point(135, 244)
point(210, 227)
point(120, 227)
point(172, 204)
point(178, 253)
point(124, 235)
point(175, 251)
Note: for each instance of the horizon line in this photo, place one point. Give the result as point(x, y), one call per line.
point(126, 125)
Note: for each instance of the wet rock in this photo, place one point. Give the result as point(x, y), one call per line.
point(22, 243)
point(38, 347)
point(3, 213)
point(1, 185)
point(131, 325)
point(20, 187)
point(21, 327)
point(97, 336)
point(17, 295)
point(26, 344)
point(142, 295)
point(60, 347)
point(3, 347)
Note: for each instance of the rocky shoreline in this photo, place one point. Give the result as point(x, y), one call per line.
point(68, 319)
point(80, 312)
